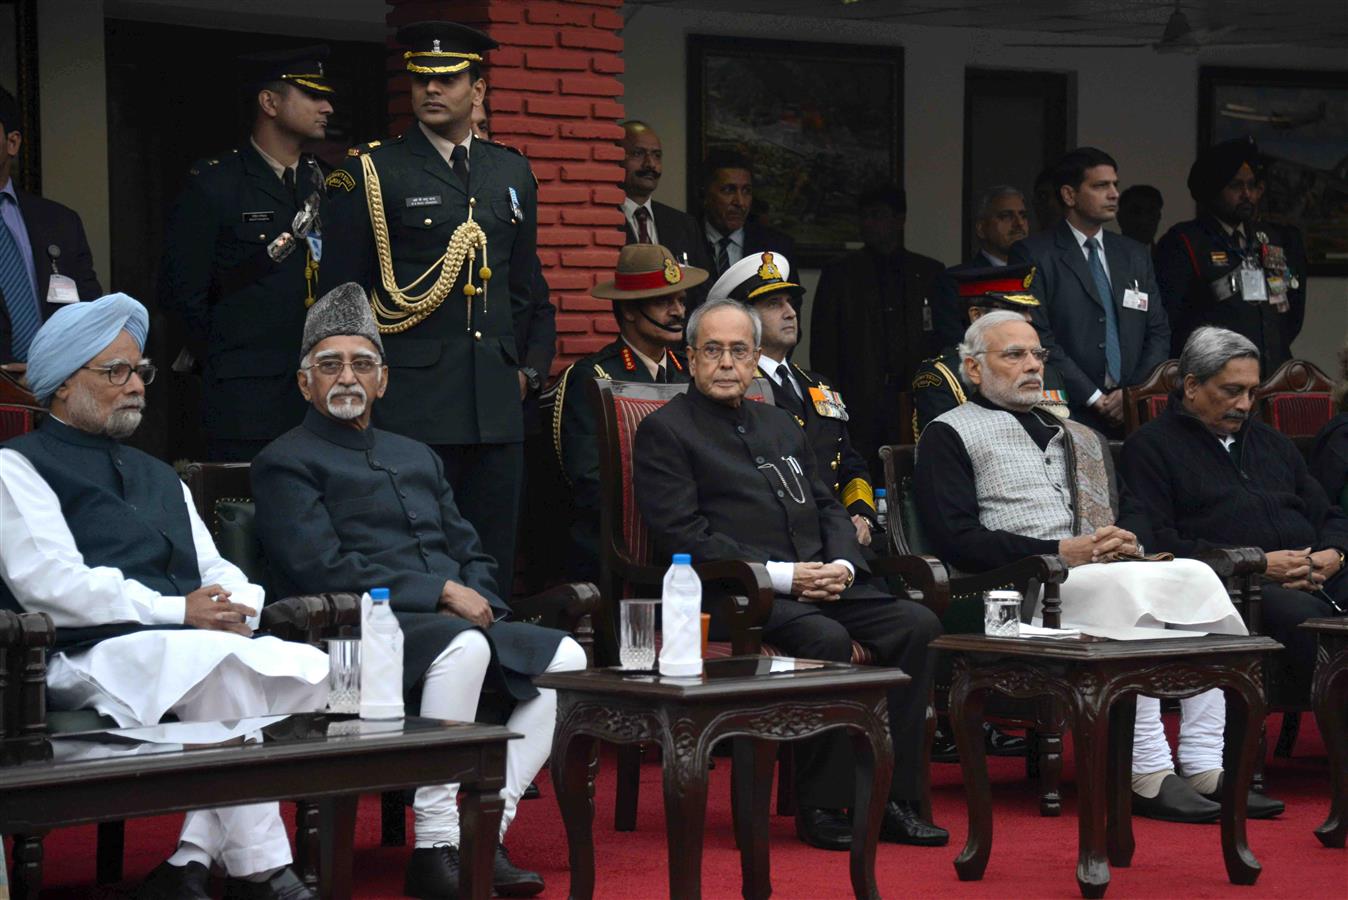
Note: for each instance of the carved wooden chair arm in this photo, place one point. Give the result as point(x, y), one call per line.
point(750, 599)
point(564, 606)
point(1229, 562)
point(309, 618)
point(924, 575)
point(25, 638)
point(1043, 570)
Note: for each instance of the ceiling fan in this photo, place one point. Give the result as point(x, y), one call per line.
point(1178, 37)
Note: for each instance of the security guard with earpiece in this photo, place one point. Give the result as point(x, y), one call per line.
point(440, 227)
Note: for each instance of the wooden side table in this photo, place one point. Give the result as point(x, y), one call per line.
point(756, 700)
point(1095, 682)
point(1329, 698)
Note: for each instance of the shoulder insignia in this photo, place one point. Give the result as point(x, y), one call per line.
point(372, 145)
point(194, 171)
point(340, 178)
point(674, 360)
point(600, 373)
point(629, 361)
point(496, 143)
point(1029, 279)
point(926, 380)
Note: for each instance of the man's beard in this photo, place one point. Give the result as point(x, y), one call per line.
point(346, 411)
point(119, 424)
point(1012, 394)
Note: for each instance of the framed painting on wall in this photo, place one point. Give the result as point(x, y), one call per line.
point(1300, 121)
point(820, 122)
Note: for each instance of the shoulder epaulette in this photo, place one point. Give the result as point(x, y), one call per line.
point(496, 143)
point(202, 164)
point(360, 149)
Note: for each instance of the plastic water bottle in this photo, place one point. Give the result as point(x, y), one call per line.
point(681, 626)
point(381, 658)
point(881, 509)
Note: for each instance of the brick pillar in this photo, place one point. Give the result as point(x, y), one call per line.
point(555, 94)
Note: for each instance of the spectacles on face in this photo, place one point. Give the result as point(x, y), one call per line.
point(120, 373)
point(712, 353)
point(359, 367)
point(1017, 354)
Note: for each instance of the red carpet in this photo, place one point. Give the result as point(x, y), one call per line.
point(1031, 856)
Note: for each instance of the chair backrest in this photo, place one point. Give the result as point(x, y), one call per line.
point(223, 495)
point(904, 527)
point(1296, 400)
point(1144, 402)
point(16, 420)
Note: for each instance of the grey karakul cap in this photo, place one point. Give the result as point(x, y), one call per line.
point(344, 310)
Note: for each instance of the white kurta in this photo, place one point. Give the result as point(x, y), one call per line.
point(135, 678)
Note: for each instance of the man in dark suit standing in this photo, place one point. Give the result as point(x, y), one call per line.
point(727, 198)
point(872, 322)
point(45, 260)
point(1101, 313)
point(724, 479)
point(1000, 219)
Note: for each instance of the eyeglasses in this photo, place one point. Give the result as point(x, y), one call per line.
point(713, 352)
point(1018, 354)
point(334, 367)
point(120, 373)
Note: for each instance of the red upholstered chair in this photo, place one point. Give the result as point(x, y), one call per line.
point(17, 420)
point(1297, 399)
point(1144, 402)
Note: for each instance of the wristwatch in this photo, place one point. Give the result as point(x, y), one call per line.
point(531, 377)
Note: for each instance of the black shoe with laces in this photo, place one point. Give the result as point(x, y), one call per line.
point(283, 884)
point(433, 873)
point(903, 825)
point(169, 882)
point(509, 880)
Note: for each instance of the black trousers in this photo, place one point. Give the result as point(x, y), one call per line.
point(1283, 610)
point(897, 632)
point(486, 480)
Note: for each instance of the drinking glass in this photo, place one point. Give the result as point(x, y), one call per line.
point(1001, 614)
point(636, 639)
point(344, 675)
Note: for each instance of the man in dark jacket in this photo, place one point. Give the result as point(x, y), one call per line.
point(872, 323)
point(721, 478)
point(342, 506)
point(1210, 475)
point(727, 201)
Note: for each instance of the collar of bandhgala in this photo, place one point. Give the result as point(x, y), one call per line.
point(54, 427)
point(339, 433)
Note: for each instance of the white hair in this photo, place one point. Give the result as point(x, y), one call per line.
point(1209, 349)
point(695, 320)
point(975, 340)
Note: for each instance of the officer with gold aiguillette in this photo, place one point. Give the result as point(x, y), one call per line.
point(440, 227)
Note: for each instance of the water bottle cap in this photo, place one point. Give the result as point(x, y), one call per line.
point(879, 492)
point(683, 559)
point(379, 595)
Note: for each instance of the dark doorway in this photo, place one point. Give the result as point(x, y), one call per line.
point(173, 99)
point(1015, 124)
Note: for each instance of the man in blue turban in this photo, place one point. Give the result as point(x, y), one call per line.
point(150, 621)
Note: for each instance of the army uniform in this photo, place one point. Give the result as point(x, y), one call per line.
point(243, 309)
point(454, 363)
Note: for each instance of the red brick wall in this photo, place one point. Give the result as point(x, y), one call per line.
point(555, 94)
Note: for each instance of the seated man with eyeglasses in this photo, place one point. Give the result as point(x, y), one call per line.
point(999, 479)
point(721, 478)
point(150, 621)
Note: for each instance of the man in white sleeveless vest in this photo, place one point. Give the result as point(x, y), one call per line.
point(998, 479)
point(150, 621)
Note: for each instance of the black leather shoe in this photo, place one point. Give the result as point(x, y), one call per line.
point(827, 829)
point(433, 873)
point(532, 792)
point(168, 882)
point(999, 743)
point(283, 885)
point(943, 748)
point(1257, 806)
point(1176, 802)
point(902, 825)
point(509, 880)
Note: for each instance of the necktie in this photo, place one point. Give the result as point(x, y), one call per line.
point(722, 255)
point(19, 294)
point(459, 162)
point(1113, 358)
point(791, 399)
point(661, 375)
point(288, 179)
point(643, 217)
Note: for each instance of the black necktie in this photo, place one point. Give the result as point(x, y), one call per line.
point(459, 162)
point(723, 255)
point(643, 217)
point(661, 375)
point(288, 179)
point(791, 399)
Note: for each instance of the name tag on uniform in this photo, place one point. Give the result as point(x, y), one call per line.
point(1135, 299)
point(828, 404)
point(262, 215)
point(413, 202)
point(62, 290)
point(1252, 286)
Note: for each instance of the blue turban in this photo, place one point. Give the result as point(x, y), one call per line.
point(76, 334)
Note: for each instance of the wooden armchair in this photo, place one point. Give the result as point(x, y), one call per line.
point(1296, 400)
point(627, 566)
point(19, 409)
point(1144, 402)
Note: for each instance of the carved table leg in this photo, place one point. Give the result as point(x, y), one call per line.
point(1049, 762)
point(480, 828)
point(571, 754)
point(752, 790)
point(1331, 717)
point(1090, 729)
point(307, 841)
point(966, 720)
point(874, 764)
point(685, 811)
point(337, 833)
point(1244, 706)
point(1119, 780)
point(27, 871)
point(629, 787)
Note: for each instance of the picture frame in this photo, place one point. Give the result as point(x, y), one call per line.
point(821, 123)
point(1300, 121)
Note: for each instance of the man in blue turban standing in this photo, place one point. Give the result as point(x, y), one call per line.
point(150, 620)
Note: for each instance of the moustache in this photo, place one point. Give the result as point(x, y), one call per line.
point(1236, 416)
point(675, 324)
point(647, 173)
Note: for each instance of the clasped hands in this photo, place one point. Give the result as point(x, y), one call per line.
point(1104, 545)
point(1302, 570)
point(815, 582)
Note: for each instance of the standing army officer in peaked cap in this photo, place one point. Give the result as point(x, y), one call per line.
point(440, 228)
point(238, 270)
